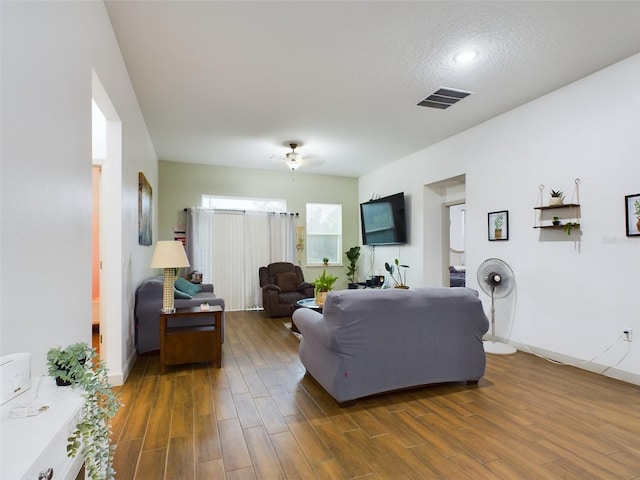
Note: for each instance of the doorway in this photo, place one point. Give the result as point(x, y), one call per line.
point(108, 156)
point(457, 264)
point(439, 198)
point(99, 155)
point(95, 258)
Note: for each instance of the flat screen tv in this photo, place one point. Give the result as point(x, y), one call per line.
point(383, 221)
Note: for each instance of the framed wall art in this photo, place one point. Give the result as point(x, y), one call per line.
point(144, 211)
point(498, 226)
point(632, 214)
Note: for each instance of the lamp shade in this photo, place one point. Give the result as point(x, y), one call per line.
point(169, 254)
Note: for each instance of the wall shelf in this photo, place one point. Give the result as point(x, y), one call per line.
point(553, 207)
point(573, 210)
point(556, 226)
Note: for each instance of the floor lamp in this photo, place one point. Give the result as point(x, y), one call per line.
point(169, 255)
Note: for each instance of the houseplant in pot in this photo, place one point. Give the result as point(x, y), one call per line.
point(398, 282)
point(556, 198)
point(323, 285)
point(353, 254)
point(80, 366)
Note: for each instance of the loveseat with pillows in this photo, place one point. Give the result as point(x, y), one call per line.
point(148, 304)
point(370, 341)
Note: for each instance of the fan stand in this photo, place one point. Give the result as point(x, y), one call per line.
point(491, 346)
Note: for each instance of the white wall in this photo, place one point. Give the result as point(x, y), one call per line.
point(49, 50)
point(573, 298)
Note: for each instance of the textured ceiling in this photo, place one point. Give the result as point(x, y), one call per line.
point(232, 83)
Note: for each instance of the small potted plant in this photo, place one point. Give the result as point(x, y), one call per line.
point(80, 366)
point(325, 261)
point(353, 254)
point(556, 221)
point(397, 282)
point(557, 198)
point(323, 285)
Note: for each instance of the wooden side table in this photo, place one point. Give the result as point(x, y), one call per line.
point(191, 343)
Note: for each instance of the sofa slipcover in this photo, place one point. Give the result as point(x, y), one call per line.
point(371, 341)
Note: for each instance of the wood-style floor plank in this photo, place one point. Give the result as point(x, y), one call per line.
point(261, 417)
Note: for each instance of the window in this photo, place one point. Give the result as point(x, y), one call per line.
point(324, 233)
point(277, 205)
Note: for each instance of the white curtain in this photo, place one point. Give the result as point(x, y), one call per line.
point(229, 247)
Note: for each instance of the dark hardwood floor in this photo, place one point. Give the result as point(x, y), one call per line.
point(261, 417)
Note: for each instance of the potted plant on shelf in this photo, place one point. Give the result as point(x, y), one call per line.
point(80, 366)
point(353, 254)
point(497, 226)
point(556, 198)
point(325, 261)
point(397, 282)
point(323, 285)
point(556, 221)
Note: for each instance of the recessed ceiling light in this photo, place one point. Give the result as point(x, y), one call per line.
point(465, 56)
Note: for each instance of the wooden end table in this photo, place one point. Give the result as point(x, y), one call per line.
point(191, 343)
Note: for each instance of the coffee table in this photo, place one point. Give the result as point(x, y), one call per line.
point(304, 303)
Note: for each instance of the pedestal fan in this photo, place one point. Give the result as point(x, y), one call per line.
point(496, 279)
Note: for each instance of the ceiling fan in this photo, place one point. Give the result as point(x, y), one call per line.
point(293, 159)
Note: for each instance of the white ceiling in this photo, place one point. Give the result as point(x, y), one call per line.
point(232, 83)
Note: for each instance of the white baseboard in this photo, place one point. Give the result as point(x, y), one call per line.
point(594, 367)
point(118, 378)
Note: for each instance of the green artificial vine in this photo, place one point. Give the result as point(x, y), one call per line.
point(569, 225)
point(80, 365)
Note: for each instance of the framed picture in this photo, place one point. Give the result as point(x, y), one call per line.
point(632, 211)
point(144, 210)
point(498, 225)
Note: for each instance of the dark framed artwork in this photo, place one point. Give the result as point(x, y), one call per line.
point(498, 226)
point(144, 210)
point(632, 214)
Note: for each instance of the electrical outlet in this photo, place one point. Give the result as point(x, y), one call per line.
point(626, 334)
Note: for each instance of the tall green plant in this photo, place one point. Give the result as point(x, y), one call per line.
point(81, 365)
point(353, 254)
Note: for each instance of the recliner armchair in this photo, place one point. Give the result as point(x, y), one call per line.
point(282, 286)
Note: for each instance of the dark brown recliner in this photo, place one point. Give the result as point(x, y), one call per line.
point(282, 286)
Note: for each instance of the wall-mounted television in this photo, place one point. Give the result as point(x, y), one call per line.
point(383, 221)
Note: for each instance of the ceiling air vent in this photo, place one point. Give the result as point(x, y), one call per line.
point(444, 98)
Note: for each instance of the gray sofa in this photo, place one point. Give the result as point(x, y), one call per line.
point(148, 303)
point(372, 341)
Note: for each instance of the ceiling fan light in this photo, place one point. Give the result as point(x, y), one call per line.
point(292, 162)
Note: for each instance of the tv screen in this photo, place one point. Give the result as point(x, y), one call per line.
point(383, 221)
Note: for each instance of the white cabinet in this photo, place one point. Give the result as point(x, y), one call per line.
point(32, 445)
